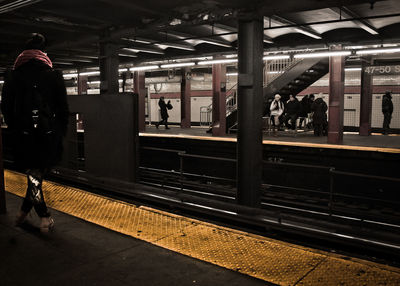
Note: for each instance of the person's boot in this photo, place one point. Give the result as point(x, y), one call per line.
point(157, 124)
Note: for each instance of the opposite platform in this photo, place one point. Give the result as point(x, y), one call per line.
point(260, 257)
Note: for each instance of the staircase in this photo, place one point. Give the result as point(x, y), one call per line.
point(296, 77)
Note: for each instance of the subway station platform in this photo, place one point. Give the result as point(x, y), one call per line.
point(103, 241)
point(351, 140)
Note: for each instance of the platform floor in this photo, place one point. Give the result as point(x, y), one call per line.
point(102, 241)
point(351, 139)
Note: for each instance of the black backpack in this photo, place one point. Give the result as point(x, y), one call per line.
point(35, 114)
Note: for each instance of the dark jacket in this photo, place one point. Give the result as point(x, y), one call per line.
point(293, 107)
point(305, 104)
point(387, 104)
point(319, 108)
point(34, 150)
point(164, 108)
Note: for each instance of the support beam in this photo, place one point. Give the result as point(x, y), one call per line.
point(219, 100)
point(366, 99)
point(250, 104)
point(346, 13)
point(336, 98)
point(301, 29)
point(140, 88)
point(109, 69)
point(185, 99)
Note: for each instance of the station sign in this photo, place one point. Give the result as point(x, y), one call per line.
point(382, 70)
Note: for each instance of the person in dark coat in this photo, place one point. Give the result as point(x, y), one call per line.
point(164, 112)
point(319, 109)
point(37, 136)
point(305, 109)
point(387, 110)
point(292, 110)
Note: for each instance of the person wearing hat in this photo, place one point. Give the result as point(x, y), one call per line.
point(276, 109)
point(387, 110)
point(35, 109)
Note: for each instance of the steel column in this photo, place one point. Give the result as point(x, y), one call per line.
point(82, 84)
point(109, 69)
point(3, 208)
point(336, 98)
point(219, 100)
point(366, 99)
point(250, 105)
point(140, 88)
point(185, 98)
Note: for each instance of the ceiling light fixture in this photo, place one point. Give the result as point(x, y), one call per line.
point(352, 69)
point(223, 61)
point(177, 65)
point(90, 73)
point(378, 51)
point(277, 57)
point(70, 75)
point(144, 68)
point(322, 54)
point(232, 73)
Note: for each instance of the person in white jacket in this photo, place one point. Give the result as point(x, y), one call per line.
point(277, 107)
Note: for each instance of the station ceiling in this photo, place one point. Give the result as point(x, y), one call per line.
point(160, 29)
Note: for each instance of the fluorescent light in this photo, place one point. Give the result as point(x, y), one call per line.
point(322, 54)
point(123, 70)
point(232, 73)
point(143, 68)
point(1, 81)
point(70, 75)
point(277, 57)
point(177, 65)
point(120, 80)
point(352, 69)
point(127, 55)
point(274, 72)
point(90, 73)
point(230, 56)
point(378, 51)
point(224, 61)
point(94, 82)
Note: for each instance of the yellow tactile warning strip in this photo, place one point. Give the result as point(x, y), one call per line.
point(273, 261)
point(284, 143)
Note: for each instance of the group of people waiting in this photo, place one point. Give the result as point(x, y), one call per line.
point(287, 113)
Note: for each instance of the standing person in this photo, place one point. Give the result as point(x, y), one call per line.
point(277, 109)
point(320, 121)
point(35, 108)
point(387, 110)
point(292, 110)
point(305, 109)
point(164, 112)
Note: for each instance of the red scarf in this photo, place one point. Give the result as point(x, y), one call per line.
point(28, 55)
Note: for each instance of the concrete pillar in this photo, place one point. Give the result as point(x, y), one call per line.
point(3, 208)
point(219, 100)
point(140, 88)
point(82, 84)
point(250, 104)
point(185, 99)
point(366, 99)
point(109, 68)
point(336, 98)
